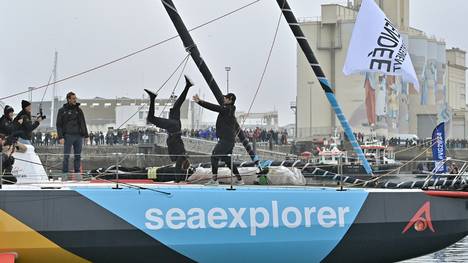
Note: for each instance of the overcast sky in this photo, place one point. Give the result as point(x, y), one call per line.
point(87, 33)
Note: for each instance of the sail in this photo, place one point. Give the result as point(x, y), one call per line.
point(438, 148)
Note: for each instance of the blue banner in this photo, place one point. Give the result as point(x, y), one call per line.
point(438, 148)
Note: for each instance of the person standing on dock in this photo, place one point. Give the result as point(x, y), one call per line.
point(173, 126)
point(226, 129)
point(71, 131)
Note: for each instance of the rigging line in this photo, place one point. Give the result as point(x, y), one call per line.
point(415, 146)
point(39, 164)
point(47, 87)
point(157, 91)
point(373, 180)
point(177, 83)
point(136, 187)
point(175, 71)
point(133, 53)
point(265, 68)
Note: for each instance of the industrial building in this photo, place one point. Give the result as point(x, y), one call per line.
point(373, 103)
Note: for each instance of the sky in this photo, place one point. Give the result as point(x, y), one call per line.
point(87, 33)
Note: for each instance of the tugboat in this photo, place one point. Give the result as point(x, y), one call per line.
point(380, 157)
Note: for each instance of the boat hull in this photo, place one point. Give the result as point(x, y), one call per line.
point(210, 224)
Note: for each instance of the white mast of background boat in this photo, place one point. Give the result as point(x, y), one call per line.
point(54, 91)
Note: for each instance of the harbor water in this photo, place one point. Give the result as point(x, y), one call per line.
point(455, 253)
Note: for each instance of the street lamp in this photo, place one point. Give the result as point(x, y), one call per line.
point(227, 78)
point(293, 107)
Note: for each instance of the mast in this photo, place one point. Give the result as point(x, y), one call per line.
point(192, 48)
point(304, 44)
point(54, 92)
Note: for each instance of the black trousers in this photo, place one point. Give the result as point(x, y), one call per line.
point(221, 152)
point(175, 145)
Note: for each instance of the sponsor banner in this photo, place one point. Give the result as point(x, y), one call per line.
point(438, 148)
point(264, 225)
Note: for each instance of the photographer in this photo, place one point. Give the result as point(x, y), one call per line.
point(25, 122)
point(7, 126)
point(8, 146)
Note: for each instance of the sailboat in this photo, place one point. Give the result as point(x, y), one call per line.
point(155, 222)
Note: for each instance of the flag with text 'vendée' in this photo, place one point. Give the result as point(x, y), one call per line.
point(377, 46)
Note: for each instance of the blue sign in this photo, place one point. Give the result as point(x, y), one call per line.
point(438, 148)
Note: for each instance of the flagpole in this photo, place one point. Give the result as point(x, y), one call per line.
point(304, 44)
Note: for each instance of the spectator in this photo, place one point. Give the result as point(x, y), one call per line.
point(71, 129)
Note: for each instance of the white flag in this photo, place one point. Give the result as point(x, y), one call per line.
point(377, 46)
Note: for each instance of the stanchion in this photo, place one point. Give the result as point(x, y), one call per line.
point(231, 188)
point(117, 171)
point(340, 172)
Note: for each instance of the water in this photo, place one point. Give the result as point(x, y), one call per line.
point(455, 253)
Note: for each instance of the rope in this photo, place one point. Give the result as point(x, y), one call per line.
point(396, 169)
point(415, 146)
point(165, 82)
point(130, 54)
point(177, 83)
point(265, 68)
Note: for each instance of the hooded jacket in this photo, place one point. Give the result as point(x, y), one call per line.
point(71, 121)
point(7, 126)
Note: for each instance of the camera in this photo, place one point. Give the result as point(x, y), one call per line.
point(11, 140)
point(41, 114)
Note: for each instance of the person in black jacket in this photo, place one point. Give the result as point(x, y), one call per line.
point(8, 146)
point(173, 126)
point(7, 125)
point(226, 131)
point(25, 123)
point(71, 130)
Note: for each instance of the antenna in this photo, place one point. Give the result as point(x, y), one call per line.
point(54, 91)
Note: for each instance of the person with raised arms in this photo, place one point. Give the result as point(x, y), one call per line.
point(226, 131)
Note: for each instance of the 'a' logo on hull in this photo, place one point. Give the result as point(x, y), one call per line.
point(421, 220)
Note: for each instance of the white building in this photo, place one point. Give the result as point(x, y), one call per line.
point(265, 120)
point(102, 114)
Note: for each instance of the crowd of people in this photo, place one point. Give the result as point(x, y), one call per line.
point(111, 137)
point(137, 136)
point(457, 143)
point(276, 137)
